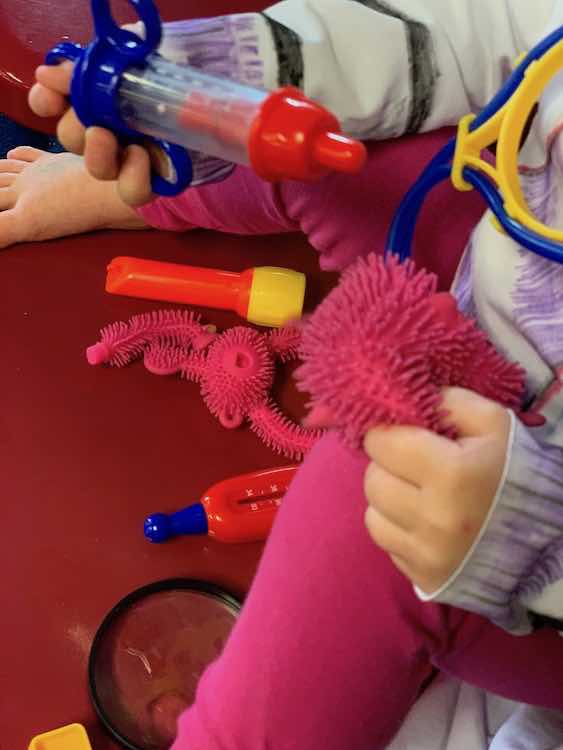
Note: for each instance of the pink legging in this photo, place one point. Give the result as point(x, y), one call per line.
point(333, 647)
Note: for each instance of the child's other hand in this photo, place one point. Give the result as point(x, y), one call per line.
point(429, 496)
point(103, 157)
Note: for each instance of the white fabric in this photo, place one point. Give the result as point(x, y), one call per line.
point(367, 83)
point(452, 715)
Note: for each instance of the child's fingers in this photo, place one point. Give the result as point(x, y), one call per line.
point(134, 182)
point(71, 132)
point(410, 453)
point(56, 77)
point(395, 499)
point(101, 154)
point(387, 535)
point(45, 102)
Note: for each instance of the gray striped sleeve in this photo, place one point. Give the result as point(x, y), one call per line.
point(520, 552)
point(422, 63)
point(288, 46)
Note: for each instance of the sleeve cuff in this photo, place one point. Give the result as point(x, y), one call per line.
point(525, 519)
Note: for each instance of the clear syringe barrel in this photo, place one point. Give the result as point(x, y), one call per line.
point(201, 124)
point(182, 105)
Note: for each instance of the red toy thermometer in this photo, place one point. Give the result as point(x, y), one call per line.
point(240, 509)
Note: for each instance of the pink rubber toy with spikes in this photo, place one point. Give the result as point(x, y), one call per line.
point(383, 343)
point(120, 342)
point(235, 370)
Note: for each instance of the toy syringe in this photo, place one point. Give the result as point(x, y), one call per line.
point(120, 82)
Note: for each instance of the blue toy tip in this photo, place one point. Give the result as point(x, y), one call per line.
point(157, 527)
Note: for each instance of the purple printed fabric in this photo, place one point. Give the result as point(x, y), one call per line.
point(515, 569)
point(538, 295)
point(229, 46)
point(521, 549)
point(463, 284)
point(536, 299)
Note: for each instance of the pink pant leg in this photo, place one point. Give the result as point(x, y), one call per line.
point(522, 668)
point(332, 646)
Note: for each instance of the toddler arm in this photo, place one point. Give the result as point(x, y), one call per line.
point(386, 67)
point(514, 571)
point(515, 566)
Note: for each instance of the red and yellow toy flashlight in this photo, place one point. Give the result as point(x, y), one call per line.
point(266, 295)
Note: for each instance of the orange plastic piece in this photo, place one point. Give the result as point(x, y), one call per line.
point(174, 282)
point(295, 138)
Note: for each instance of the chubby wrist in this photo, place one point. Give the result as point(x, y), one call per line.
point(487, 579)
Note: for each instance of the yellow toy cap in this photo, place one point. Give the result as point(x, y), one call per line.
point(71, 737)
point(276, 296)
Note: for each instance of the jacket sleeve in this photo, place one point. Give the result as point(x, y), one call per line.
point(513, 574)
point(386, 67)
point(514, 571)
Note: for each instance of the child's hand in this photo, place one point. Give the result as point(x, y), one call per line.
point(103, 158)
point(429, 496)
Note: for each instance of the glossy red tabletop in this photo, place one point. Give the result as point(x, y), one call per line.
point(86, 453)
point(31, 27)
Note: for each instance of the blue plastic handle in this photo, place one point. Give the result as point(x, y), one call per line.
point(125, 41)
point(98, 69)
point(159, 527)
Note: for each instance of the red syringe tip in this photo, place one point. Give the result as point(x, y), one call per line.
point(340, 153)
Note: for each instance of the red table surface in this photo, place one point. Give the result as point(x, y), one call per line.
point(86, 453)
point(31, 27)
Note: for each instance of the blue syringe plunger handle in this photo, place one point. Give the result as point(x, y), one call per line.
point(98, 72)
point(197, 125)
point(159, 527)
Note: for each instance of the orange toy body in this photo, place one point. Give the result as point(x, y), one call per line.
point(243, 508)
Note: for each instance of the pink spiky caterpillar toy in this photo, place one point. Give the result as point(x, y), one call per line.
point(383, 343)
point(235, 369)
point(121, 343)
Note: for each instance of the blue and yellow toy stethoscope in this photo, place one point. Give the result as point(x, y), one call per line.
point(502, 121)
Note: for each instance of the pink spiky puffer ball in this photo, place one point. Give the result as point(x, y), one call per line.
point(383, 343)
